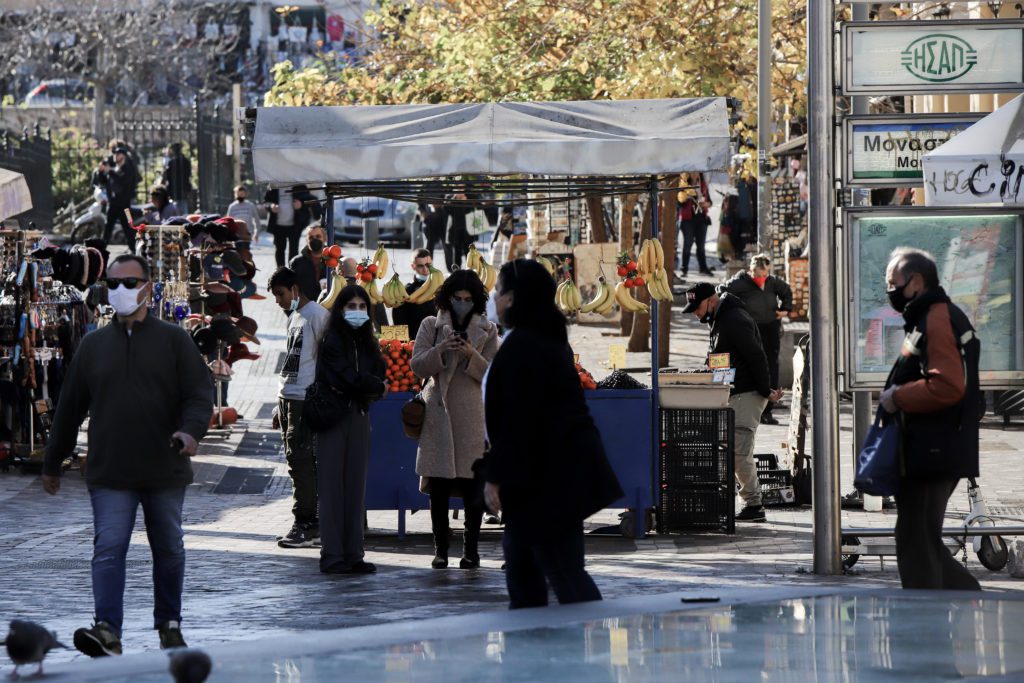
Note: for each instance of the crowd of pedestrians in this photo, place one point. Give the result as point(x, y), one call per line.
point(484, 378)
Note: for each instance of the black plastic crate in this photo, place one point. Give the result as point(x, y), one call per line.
point(696, 425)
point(776, 484)
point(710, 507)
point(696, 447)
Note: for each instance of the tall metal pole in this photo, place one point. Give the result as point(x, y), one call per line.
point(824, 394)
point(764, 120)
point(861, 399)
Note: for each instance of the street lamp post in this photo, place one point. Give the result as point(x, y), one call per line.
point(824, 321)
point(764, 121)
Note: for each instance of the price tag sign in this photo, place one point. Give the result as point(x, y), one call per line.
point(617, 356)
point(395, 333)
point(724, 376)
point(719, 361)
point(575, 358)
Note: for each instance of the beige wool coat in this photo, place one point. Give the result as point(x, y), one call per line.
point(453, 427)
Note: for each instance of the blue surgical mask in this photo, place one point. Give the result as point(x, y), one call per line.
point(295, 305)
point(357, 318)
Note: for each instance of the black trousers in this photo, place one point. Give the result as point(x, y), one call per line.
point(922, 558)
point(532, 564)
point(433, 240)
point(771, 340)
point(116, 215)
point(441, 491)
point(695, 230)
point(456, 247)
point(286, 237)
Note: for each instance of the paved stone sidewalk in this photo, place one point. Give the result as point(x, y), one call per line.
point(240, 585)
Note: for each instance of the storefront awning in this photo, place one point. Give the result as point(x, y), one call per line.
point(14, 195)
point(315, 145)
point(982, 166)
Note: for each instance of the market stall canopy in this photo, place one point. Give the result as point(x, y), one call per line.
point(984, 165)
point(314, 145)
point(14, 194)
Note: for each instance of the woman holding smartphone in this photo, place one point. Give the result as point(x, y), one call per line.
point(452, 353)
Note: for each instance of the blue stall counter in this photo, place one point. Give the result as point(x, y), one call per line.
point(622, 416)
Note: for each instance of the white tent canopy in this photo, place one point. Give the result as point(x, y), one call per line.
point(314, 145)
point(984, 165)
point(14, 194)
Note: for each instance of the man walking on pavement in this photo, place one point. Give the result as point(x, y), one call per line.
point(734, 336)
point(934, 388)
point(307, 323)
point(148, 395)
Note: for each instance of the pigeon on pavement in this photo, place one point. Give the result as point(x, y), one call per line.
point(190, 666)
point(28, 643)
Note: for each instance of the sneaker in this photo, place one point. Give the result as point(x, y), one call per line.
point(752, 513)
point(170, 635)
point(98, 641)
point(302, 535)
point(491, 519)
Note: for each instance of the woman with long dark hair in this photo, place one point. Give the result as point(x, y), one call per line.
point(546, 469)
point(350, 363)
point(454, 350)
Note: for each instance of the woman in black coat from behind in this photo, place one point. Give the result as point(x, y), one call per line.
point(351, 364)
point(546, 469)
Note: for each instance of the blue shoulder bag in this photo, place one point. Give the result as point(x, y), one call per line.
point(878, 464)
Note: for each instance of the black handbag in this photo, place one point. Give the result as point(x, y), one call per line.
point(323, 407)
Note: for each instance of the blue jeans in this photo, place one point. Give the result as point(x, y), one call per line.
point(113, 513)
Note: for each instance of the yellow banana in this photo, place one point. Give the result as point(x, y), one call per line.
point(627, 302)
point(371, 289)
point(601, 296)
point(429, 288)
point(560, 296)
point(606, 306)
point(330, 295)
point(643, 260)
point(659, 254)
point(380, 259)
point(394, 292)
point(473, 259)
point(544, 261)
point(489, 276)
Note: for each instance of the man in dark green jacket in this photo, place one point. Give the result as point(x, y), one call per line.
point(149, 398)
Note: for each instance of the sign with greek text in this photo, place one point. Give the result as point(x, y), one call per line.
point(395, 332)
point(899, 57)
point(888, 150)
point(617, 356)
point(719, 361)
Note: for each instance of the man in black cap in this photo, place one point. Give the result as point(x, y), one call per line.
point(734, 334)
point(120, 179)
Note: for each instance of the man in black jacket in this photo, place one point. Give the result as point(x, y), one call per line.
point(309, 265)
point(149, 396)
point(121, 179)
point(768, 300)
point(177, 177)
point(734, 333)
point(414, 314)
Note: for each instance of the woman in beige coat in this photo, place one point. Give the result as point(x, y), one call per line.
point(453, 350)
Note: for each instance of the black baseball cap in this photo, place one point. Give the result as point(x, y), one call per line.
point(696, 294)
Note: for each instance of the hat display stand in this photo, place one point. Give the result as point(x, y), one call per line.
point(43, 318)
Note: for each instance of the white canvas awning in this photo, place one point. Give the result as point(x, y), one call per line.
point(984, 165)
point(314, 145)
point(14, 194)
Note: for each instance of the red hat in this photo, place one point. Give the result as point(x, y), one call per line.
point(238, 352)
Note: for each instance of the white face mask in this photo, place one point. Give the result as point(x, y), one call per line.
point(125, 301)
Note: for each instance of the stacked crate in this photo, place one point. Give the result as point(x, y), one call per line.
point(696, 471)
point(776, 484)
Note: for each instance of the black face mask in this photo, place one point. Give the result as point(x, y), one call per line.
point(316, 244)
point(897, 299)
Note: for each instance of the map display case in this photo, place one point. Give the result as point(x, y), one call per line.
point(981, 267)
